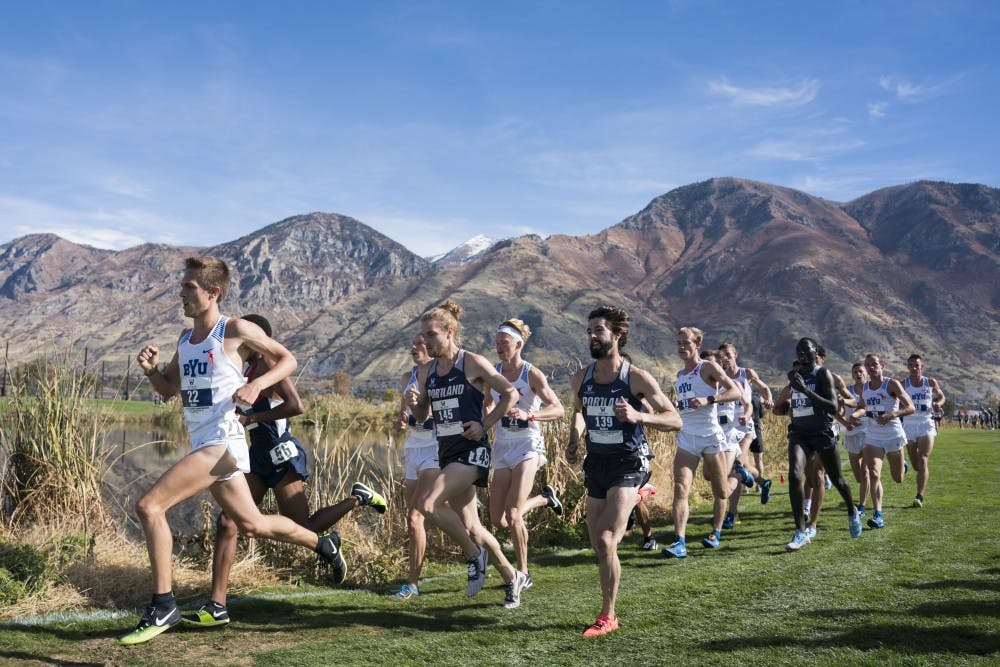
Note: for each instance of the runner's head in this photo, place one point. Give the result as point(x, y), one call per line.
point(440, 328)
point(260, 321)
point(418, 350)
point(210, 272)
point(858, 372)
point(874, 367)
point(689, 343)
point(915, 365)
point(807, 351)
point(727, 357)
point(510, 338)
point(607, 330)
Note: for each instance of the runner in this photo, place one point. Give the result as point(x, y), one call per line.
point(518, 446)
point(742, 428)
point(608, 405)
point(205, 371)
point(700, 386)
point(817, 480)
point(420, 466)
point(885, 402)
point(854, 435)
point(927, 397)
point(277, 462)
point(451, 388)
point(811, 399)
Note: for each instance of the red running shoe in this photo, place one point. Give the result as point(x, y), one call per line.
point(602, 626)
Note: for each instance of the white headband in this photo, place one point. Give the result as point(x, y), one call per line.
point(512, 332)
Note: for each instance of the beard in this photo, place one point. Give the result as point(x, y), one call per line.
point(599, 350)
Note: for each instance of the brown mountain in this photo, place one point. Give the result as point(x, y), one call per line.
point(910, 268)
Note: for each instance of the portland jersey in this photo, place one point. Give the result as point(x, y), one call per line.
point(877, 402)
point(417, 434)
point(703, 421)
point(923, 402)
point(265, 434)
point(807, 419)
point(453, 400)
point(518, 429)
point(209, 378)
point(605, 434)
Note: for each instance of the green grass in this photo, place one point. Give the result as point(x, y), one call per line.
point(924, 590)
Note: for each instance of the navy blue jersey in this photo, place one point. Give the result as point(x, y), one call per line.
point(605, 434)
point(807, 419)
point(453, 400)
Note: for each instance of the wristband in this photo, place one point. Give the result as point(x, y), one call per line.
point(531, 417)
point(156, 369)
point(711, 399)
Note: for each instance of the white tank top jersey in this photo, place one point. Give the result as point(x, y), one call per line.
point(702, 421)
point(417, 434)
point(508, 429)
point(743, 384)
point(209, 378)
point(860, 401)
point(877, 402)
point(923, 401)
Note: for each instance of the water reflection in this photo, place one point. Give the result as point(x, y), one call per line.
point(138, 457)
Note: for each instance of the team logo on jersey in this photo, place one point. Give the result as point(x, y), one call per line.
point(194, 368)
point(211, 357)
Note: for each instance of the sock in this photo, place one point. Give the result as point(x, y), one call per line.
point(920, 496)
point(807, 506)
point(717, 533)
point(163, 600)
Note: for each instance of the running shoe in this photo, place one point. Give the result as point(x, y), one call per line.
point(861, 511)
point(477, 572)
point(528, 582)
point(552, 501)
point(811, 532)
point(799, 540)
point(156, 620)
point(405, 592)
point(765, 492)
point(918, 502)
point(712, 541)
point(743, 474)
point(512, 600)
point(368, 496)
point(645, 491)
point(649, 544)
point(602, 626)
point(876, 521)
point(208, 615)
point(329, 550)
point(676, 550)
point(854, 525)
point(729, 521)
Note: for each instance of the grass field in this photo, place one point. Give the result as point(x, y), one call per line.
point(923, 590)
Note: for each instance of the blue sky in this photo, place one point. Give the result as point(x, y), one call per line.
point(196, 123)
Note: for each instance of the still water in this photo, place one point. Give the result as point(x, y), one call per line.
point(138, 457)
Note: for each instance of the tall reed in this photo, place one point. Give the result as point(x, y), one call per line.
point(52, 448)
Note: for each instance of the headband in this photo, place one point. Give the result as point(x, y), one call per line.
point(512, 332)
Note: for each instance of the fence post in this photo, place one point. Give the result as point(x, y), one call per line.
point(128, 371)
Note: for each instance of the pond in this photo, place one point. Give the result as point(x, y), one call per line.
point(139, 456)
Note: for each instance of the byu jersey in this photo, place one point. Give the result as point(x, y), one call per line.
point(923, 402)
point(703, 421)
point(209, 378)
point(527, 401)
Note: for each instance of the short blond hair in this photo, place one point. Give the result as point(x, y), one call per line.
point(212, 272)
point(694, 332)
point(519, 325)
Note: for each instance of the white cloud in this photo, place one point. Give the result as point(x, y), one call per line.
point(797, 95)
point(804, 149)
point(110, 229)
point(912, 92)
point(877, 109)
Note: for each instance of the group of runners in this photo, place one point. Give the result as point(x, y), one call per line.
point(232, 376)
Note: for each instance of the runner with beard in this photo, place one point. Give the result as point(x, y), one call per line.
point(451, 388)
point(608, 399)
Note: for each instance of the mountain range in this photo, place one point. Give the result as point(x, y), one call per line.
point(909, 268)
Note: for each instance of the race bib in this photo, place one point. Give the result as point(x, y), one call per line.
point(196, 396)
point(283, 451)
point(447, 417)
point(480, 456)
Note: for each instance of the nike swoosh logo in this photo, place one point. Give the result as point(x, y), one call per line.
point(159, 622)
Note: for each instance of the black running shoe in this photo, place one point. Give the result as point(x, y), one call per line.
point(329, 550)
point(368, 496)
point(553, 503)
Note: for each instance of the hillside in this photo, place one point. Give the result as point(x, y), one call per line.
point(903, 269)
